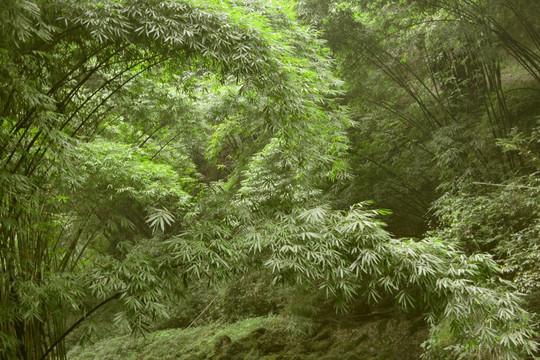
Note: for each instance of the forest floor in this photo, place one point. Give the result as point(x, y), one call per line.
point(384, 336)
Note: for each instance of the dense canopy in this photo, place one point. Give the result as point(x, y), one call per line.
point(150, 147)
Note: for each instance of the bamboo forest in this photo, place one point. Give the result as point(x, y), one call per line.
point(270, 179)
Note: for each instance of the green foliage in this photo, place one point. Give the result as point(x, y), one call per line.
point(503, 221)
point(489, 222)
point(173, 343)
point(499, 218)
point(159, 218)
point(433, 86)
point(348, 256)
point(95, 153)
point(252, 295)
point(148, 144)
point(115, 170)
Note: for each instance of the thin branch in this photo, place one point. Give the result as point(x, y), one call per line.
point(508, 185)
point(77, 323)
point(197, 318)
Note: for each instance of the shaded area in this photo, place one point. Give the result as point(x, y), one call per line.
point(383, 336)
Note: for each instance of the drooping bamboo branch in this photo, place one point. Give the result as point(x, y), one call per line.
point(77, 323)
